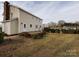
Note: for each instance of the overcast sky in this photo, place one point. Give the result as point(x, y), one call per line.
point(49, 11)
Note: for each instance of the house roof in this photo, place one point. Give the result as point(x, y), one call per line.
point(70, 24)
point(25, 11)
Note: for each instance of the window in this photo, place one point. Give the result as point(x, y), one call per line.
point(40, 26)
point(30, 25)
point(36, 26)
point(21, 23)
point(24, 25)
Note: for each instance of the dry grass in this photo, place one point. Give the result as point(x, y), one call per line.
point(52, 44)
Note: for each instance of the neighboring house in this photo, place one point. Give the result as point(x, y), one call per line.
point(17, 20)
point(68, 26)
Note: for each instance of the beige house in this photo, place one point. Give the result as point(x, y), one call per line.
point(68, 26)
point(17, 20)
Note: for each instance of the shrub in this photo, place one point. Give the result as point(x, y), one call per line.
point(57, 31)
point(70, 31)
point(52, 30)
point(38, 35)
point(1, 37)
point(26, 34)
point(47, 29)
point(5, 34)
point(77, 31)
point(64, 31)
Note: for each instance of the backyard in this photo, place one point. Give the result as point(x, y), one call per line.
point(51, 45)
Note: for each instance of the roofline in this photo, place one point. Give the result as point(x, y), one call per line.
point(70, 24)
point(26, 11)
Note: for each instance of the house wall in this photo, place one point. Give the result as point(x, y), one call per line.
point(7, 28)
point(14, 12)
point(26, 18)
point(11, 26)
point(69, 27)
point(14, 17)
point(17, 20)
point(14, 27)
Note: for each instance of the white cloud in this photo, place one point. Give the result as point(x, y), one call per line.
point(50, 11)
point(1, 11)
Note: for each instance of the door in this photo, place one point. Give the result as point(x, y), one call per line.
point(23, 27)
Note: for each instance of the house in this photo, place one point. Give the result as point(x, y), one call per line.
point(68, 26)
point(17, 20)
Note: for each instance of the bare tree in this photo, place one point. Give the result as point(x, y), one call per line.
point(61, 22)
point(51, 24)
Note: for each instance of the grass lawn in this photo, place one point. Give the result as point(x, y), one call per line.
point(53, 44)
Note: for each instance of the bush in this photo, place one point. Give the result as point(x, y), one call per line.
point(77, 31)
point(64, 31)
point(70, 31)
point(5, 34)
point(1, 37)
point(57, 31)
point(26, 34)
point(47, 29)
point(38, 35)
point(52, 30)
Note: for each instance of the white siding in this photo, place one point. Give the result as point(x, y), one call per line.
point(14, 27)
point(7, 28)
point(28, 19)
point(18, 18)
point(14, 12)
point(14, 15)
